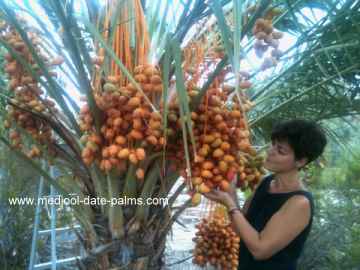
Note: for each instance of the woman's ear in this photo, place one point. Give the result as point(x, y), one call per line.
point(301, 163)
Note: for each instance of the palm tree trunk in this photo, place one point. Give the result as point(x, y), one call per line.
point(135, 253)
point(142, 246)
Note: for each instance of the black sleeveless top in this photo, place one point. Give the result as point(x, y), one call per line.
point(263, 206)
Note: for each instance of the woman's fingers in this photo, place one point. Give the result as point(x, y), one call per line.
point(209, 194)
point(216, 195)
point(232, 191)
point(212, 195)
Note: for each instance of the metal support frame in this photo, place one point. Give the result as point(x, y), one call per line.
point(54, 263)
point(48, 265)
point(53, 225)
point(36, 226)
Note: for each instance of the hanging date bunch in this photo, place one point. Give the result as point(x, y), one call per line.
point(251, 171)
point(267, 38)
point(27, 95)
point(216, 243)
point(221, 138)
point(131, 125)
point(221, 134)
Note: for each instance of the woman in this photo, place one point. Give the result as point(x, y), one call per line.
point(276, 220)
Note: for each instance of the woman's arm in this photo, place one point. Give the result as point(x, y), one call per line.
point(280, 230)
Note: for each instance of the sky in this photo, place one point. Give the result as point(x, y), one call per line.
point(250, 63)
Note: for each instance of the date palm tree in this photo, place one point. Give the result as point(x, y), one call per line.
point(80, 55)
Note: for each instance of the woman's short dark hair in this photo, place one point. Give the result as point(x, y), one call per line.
point(305, 137)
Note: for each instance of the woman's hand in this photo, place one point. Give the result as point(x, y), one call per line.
point(232, 191)
point(221, 197)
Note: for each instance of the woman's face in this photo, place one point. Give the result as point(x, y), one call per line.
point(280, 157)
